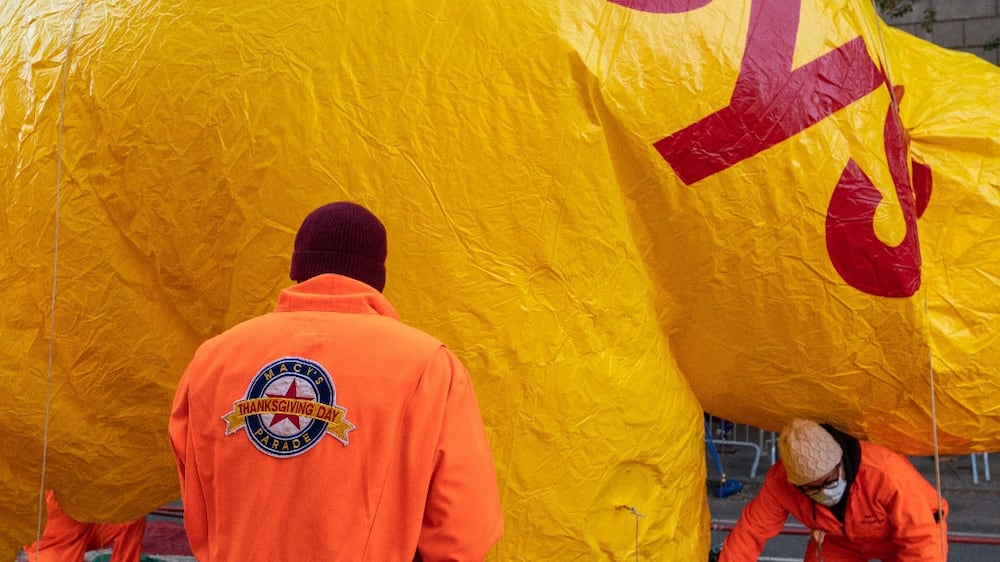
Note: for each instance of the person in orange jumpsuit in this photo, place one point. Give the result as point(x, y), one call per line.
point(65, 539)
point(862, 502)
point(330, 430)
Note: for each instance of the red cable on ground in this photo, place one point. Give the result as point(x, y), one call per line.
point(178, 512)
point(956, 539)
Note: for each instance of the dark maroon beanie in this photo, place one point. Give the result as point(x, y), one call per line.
point(343, 238)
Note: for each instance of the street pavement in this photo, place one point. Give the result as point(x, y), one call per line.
point(973, 524)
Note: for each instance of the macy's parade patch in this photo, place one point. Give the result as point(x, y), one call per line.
point(288, 407)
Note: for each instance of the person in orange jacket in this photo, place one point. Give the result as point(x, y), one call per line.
point(65, 539)
point(862, 502)
point(330, 430)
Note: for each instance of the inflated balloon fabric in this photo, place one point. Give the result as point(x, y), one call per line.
point(618, 214)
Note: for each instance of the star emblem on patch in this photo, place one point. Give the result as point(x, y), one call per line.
point(288, 407)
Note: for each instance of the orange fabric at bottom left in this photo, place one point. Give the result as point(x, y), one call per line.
point(66, 539)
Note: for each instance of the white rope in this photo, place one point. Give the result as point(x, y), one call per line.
point(637, 515)
point(930, 354)
point(934, 436)
point(55, 265)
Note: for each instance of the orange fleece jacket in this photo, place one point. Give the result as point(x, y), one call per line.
point(889, 515)
point(66, 539)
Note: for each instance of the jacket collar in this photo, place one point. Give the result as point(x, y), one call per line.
point(334, 293)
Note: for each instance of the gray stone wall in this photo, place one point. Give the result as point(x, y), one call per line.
point(972, 26)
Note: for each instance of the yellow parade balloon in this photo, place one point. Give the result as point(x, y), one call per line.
point(619, 214)
point(833, 241)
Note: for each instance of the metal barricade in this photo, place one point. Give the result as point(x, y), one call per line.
point(727, 433)
point(975, 468)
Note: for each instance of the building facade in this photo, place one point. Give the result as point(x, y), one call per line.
point(972, 26)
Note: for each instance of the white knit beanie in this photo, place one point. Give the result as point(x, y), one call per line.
point(808, 451)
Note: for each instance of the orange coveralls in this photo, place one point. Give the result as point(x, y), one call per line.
point(890, 515)
point(329, 430)
point(67, 540)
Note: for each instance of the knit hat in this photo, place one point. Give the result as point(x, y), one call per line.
point(808, 451)
point(343, 238)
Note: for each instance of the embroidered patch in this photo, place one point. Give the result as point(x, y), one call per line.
point(288, 407)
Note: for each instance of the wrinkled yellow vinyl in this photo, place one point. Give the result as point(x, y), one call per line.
point(616, 213)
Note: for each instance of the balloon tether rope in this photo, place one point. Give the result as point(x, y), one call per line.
point(934, 434)
point(930, 354)
point(55, 265)
point(637, 515)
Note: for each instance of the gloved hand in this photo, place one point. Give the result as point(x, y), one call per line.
point(713, 555)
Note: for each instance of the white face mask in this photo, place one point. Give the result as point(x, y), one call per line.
point(830, 496)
